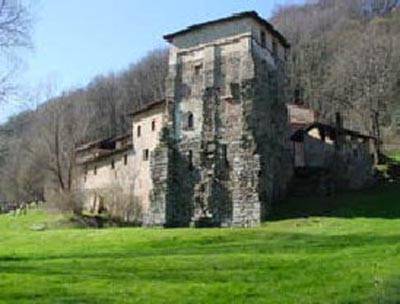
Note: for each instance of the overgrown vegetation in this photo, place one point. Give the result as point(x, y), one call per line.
point(344, 57)
point(348, 256)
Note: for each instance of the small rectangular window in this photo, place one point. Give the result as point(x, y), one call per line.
point(95, 170)
point(112, 164)
point(190, 121)
point(85, 174)
point(274, 48)
point(146, 154)
point(235, 90)
point(197, 69)
point(263, 39)
point(125, 159)
point(139, 131)
point(153, 125)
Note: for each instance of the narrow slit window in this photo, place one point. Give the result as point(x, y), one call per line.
point(153, 125)
point(125, 159)
point(112, 164)
point(224, 153)
point(190, 122)
point(274, 48)
point(297, 95)
point(95, 170)
point(139, 131)
point(190, 159)
point(263, 39)
point(146, 154)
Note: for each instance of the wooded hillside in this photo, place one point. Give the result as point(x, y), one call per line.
point(38, 146)
point(345, 56)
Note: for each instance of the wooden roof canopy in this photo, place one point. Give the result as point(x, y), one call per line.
point(298, 136)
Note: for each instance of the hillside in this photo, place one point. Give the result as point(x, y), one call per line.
point(344, 57)
point(350, 255)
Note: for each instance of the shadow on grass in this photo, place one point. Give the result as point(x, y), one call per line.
point(387, 291)
point(382, 201)
point(286, 256)
point(257, 242)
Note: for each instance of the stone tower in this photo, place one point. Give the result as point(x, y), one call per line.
point(223, 159)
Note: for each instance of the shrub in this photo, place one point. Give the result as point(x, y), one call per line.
point(71, 201)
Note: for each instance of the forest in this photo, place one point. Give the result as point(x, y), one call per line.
point(344, 57)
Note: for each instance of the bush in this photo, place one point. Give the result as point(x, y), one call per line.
point(123, 207)
point(72, 201)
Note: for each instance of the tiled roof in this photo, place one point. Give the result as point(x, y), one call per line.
point(249, 14)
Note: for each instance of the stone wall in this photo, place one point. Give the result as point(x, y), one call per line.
point(146, 129)
point(348, 162)
point(228, 165)
point(100, 181)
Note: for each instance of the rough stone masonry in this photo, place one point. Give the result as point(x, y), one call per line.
point(222, 159)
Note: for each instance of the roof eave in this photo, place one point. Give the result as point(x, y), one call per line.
point(248, 14)
point(148, 107)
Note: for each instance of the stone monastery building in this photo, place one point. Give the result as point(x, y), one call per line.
point(221, 148)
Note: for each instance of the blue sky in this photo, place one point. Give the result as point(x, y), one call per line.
point(75, 40)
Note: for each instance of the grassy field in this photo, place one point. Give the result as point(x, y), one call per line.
point(395, 156)
point(348, 255)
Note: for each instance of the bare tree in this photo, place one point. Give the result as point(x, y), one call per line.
point(45, 137)
point(345, 58)
point(60, 124)
point(104, 97)
point(15, 25)
point(144, 81)
point(15, 34)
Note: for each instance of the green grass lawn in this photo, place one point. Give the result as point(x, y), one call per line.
point(348, 255)
point(395, 155)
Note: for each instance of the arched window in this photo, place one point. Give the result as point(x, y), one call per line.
point(190, 122)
